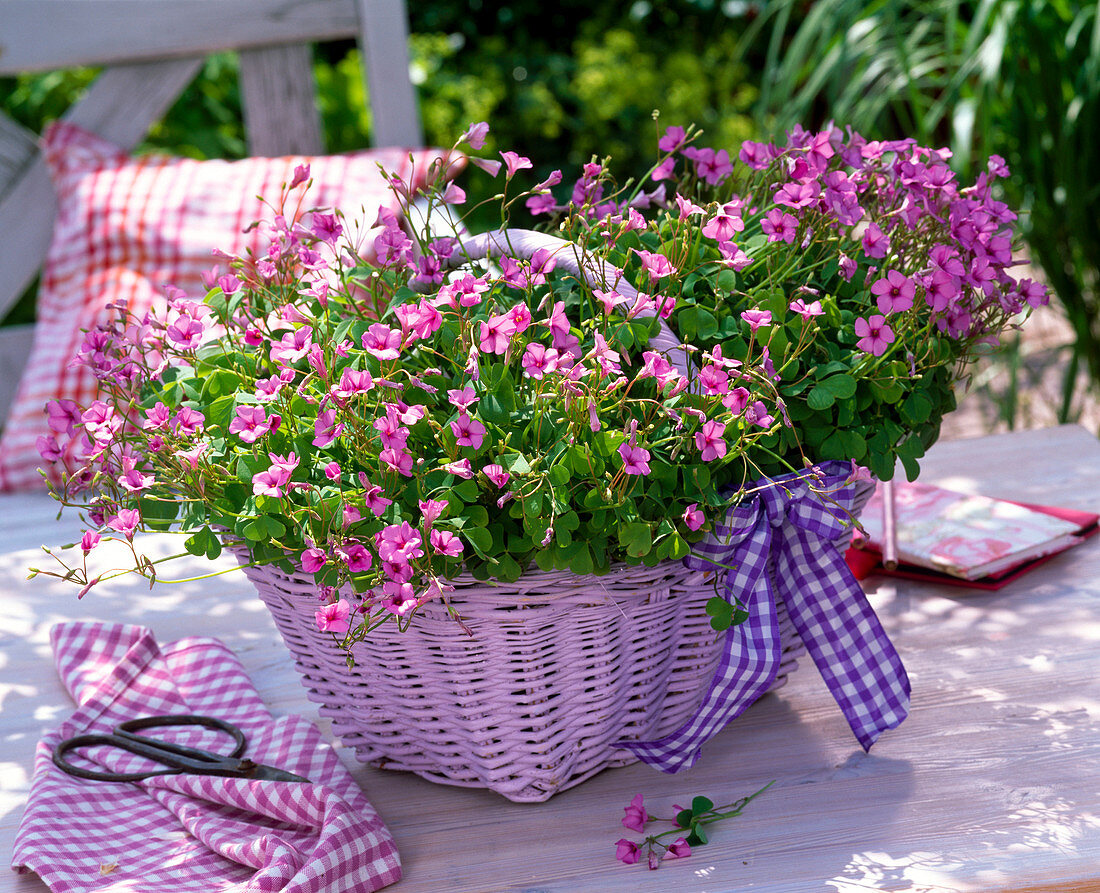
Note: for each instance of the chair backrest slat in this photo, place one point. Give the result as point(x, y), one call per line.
point(121, 105)
point(150, 52)
point(15, 348)
point(277, 96)
point(45, 35)
point(385, 44)
point(17, 149)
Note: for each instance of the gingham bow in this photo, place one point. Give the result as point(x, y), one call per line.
point(785, 520)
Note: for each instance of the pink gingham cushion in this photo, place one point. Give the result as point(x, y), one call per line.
point(192, 834)
point(128, 226)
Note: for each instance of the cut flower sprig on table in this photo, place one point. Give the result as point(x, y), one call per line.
point(688, 828)
point(489, 404)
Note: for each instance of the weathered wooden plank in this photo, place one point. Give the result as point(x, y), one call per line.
point(384, 40)
point(120, 105)
point(15, 347)
point(280, 108)
point(107, 32)
point(988, 785)
point(126, 100)
point(17, 148)
point(27, 212)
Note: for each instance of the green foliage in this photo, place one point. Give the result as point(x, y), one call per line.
point(342, 100)
point(567, 81)
point(684, 83)
point(561, 82)
point(205, 121)
point(879, 67)
point(1045, 122)
point(1016, 78)
point(375, 432)
point(723, 615)
point(34, 100)
point(845, 400)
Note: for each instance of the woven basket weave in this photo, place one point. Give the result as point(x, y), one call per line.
point(559, 667)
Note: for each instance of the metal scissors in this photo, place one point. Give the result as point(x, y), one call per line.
point(178, 757)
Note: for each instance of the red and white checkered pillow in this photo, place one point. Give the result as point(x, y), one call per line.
point(128, 226)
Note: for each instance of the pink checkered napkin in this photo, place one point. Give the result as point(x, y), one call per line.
point(184, 833)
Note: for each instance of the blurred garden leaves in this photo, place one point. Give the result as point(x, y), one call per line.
point(563, 81)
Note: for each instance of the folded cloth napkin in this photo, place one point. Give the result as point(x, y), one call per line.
point(183, 833)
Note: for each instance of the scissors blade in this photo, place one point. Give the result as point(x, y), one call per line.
point(270, 773)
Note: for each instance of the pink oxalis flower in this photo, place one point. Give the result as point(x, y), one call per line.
point(125, 522)
point(514, 163)
point(757, 414)
point(709, 440)
point(496, 474)
point(468, 431)
point(313, 559)
point(636, 816)
point(251, 423)
point(806, 311)
point(627, 851)
point(725, 225)
point(334, 618)
point(757, 318)
point(693, 518)
point(656, 265)
point(635, 459)
point(538, 360)
point(894, 293)
point(678, 849)
point(875, 336)
point(475, 135)
point(274, 481)
point(443, 542)
point(779, 226)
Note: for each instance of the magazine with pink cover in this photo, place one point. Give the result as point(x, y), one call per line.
point(964, 535)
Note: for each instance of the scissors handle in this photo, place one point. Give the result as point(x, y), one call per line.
point(178, 757)
point(130, 727)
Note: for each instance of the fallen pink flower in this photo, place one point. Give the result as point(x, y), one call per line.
point(626, 851)
point(678, 849)
point(636, 816)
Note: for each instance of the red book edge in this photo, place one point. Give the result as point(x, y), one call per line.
point(868, 560)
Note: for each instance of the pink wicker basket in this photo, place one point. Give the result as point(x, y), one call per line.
point(558, 668)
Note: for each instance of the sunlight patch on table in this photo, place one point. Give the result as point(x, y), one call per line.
point(1054, 824)
point(881, 871)
point(15, 782)
point(18, 689)
point(49, 713)
point(1041, 663)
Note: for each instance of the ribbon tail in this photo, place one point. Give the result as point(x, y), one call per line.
point(748, 665)
point(842, 634)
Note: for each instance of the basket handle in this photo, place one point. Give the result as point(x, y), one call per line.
point(595, 272)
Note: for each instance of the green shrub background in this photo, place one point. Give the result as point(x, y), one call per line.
point(563, 82)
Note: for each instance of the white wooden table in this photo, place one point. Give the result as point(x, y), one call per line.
point(992, 783)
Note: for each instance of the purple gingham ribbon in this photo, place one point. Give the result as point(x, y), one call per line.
point(785, 520)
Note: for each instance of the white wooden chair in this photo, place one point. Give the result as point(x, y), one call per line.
point(150, 51)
